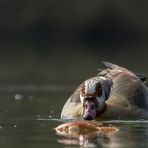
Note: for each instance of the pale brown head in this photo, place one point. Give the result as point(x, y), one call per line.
point(93, 97)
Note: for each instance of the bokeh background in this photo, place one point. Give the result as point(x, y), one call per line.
point(56, 42)
point(48, 47)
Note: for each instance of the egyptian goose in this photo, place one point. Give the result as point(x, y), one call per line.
point(115, 93)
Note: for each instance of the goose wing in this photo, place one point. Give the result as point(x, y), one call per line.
point(73, 106)
point(131, 89)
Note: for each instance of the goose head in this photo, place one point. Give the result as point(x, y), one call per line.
point(93, 96)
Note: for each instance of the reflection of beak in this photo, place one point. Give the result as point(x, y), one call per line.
point(89, 111)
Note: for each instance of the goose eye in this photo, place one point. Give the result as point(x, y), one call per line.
point(99, 90)
point(85, 105)
point(99, 93)
point(92, 106)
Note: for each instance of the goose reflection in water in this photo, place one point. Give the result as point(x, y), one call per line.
point(86, 134)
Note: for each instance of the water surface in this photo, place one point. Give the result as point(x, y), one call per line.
point(29, 115)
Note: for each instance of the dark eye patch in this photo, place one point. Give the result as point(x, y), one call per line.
point(92, 99)
point(99, 90)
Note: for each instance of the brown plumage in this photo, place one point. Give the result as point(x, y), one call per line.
point(124, 96)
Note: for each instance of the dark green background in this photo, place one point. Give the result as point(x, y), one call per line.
point(54, 41)
point(48, 47)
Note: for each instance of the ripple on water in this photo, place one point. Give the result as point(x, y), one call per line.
point(125, 121)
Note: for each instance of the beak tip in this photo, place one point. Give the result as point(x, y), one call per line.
point(87, 117)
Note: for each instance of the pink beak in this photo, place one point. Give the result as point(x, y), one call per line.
point(89, 111)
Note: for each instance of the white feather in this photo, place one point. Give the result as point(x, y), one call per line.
point(90, 86)
point(101, 100)
point(81, 98)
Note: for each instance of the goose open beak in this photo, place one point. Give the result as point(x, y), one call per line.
point(89, 111)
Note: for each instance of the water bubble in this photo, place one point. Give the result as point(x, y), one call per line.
point(49, 116)
point(15, 126)
point(52, 111)
point(18, 97)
